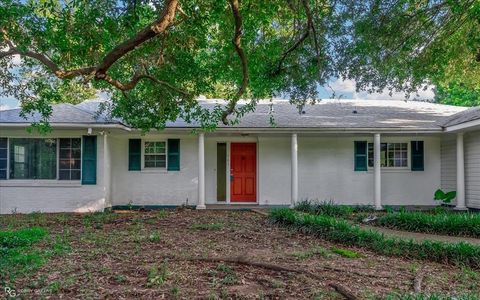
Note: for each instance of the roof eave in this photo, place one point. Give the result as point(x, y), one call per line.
point(71, 125)
point(463, 126)
point(308, 130)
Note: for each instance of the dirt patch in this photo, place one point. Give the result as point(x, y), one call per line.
point(126, 256)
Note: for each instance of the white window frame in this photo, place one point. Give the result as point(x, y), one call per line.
point(392, 142)
point(143, 154)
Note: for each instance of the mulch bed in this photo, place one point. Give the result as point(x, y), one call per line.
point(115, 258)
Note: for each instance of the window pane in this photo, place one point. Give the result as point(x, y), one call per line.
point(64, 175)
point(155, 155)
point(3, 158)
point(149, 164)
point(65, 143)
point(33, 158)
point(75, 175)
point(70, 159)
point(396, 154)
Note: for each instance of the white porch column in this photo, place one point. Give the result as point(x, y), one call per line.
point(107, 170)
point(201, 171)
point(294, 196)
point(378, 172)
point(460, 174)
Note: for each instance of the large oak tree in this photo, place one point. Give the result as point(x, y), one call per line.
point(155, 57)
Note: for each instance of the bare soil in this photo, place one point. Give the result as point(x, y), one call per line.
point(146, 255)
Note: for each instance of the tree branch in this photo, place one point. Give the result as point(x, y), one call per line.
point(136, 78)
point(302, 38)
point(243, 59)
point(157, 27)
point(47, 62)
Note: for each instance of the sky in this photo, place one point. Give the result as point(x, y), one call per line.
point(343, 88)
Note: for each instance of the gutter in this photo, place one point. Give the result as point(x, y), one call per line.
point(240, 129)
point(70, 125)
point(302, 129)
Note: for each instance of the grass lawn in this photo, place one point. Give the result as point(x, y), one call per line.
point(155, 254)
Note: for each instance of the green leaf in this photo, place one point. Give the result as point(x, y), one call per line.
point(439, 195)
point(450, 196)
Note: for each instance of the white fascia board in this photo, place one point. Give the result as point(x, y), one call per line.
point(69, 125)
point(463, 126)
point(274, 130)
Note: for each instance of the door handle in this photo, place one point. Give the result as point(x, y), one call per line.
point(231, 177)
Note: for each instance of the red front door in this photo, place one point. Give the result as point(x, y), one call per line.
point(243, 172)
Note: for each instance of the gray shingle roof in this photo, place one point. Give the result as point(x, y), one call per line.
point(61, 113)
point(346, 114)
point(463, 117)
point(326, 114)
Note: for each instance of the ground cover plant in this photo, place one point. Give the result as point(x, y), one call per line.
point(448, 223)
point(167, 254)
point(328, 208)
point(338, 230)
point(436, 221)
point(17, 254)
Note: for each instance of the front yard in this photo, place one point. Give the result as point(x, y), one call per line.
point(205, 254)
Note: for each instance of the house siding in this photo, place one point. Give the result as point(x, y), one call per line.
point(449, 163)
point(472, 169)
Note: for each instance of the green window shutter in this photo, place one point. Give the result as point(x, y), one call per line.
point(134, 154)
point(360, 156)
point(89, 160)
point(173, 155)
point(417, 151)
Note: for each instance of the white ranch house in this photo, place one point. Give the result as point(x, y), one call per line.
point(349, 151)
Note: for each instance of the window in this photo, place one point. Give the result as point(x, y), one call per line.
point(392, 155)
point(3, 157)
point(69, 159)
point(155, 155)
point(33, 158)
point(37, 158)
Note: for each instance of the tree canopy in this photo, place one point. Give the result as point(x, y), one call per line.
point(155, 57)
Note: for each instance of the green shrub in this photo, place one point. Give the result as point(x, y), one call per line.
point(343, 232)
point(457, 224)
point(328, 208)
